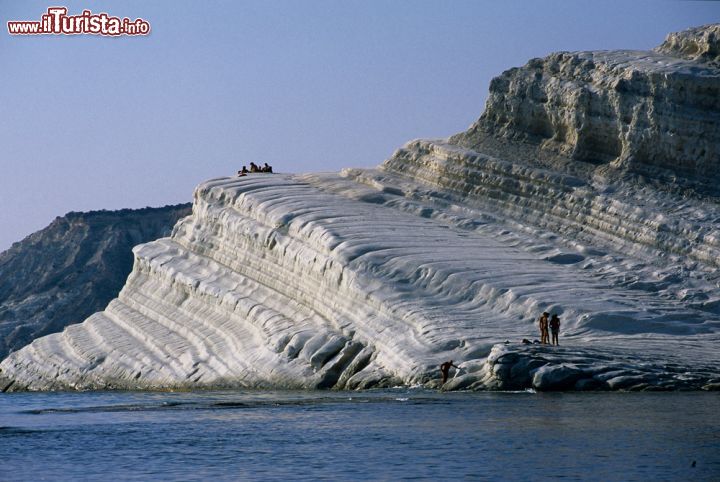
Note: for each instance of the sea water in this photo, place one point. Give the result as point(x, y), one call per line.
point(386, 435)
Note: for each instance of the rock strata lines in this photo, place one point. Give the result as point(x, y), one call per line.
point(371, 278)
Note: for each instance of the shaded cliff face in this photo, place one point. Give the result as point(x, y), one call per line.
point(72, 268)
point(653, 113)
point(373, 277)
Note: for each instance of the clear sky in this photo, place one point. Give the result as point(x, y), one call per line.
point(90, 122)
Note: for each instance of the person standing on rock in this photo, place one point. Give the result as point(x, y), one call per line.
point(555, 327)
point(543, 324)
point(445, 370)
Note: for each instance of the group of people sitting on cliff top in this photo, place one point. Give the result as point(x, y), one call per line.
point(549, 325)
point(254, 168)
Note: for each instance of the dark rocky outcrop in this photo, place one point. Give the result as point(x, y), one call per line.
point(554, 368)
point(62, 274)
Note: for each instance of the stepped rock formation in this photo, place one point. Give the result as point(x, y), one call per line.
point(371, 278)
point(652, 113)
point(62, 274)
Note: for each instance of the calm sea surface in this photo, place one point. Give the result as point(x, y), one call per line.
point(386, 435)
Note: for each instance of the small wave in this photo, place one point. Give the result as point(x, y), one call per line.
point(524, 391)
point(14, 431)
point(246, 402)
point(195, 405)
point(230, 405)
point(105, 408)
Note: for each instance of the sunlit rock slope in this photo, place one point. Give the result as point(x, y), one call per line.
point(369, 278)
point(652, 114)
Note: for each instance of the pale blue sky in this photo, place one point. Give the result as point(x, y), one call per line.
point(90, 123)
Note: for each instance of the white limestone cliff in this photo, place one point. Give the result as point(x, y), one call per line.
point(370, 278)
point(653, 113)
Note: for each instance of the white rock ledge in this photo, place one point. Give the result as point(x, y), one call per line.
point(338, 281)
point(372, 278)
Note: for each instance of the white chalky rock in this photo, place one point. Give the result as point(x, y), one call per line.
point(374, 277)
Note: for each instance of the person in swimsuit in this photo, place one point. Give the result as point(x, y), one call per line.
point(555, 327)
point(445, 370)
point(543, 325)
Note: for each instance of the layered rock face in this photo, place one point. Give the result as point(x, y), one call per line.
point(69, 270)
point(371, 278)
point(654, 113)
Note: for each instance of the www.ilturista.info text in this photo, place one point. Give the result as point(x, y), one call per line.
point(57, 22)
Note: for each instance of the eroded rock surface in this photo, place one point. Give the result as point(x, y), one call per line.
point(654, 113)
point(700, 43)
point(545, 368)
point(371, 278)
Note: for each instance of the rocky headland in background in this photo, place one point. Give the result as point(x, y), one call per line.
point(72, 268)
